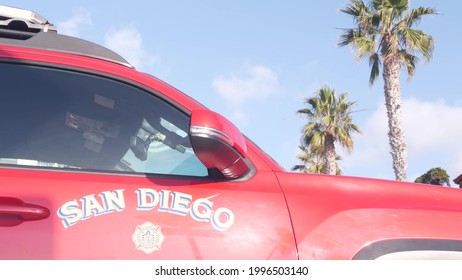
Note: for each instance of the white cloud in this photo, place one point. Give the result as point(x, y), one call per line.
point(129, 44)
point(432, 137)
point(73, 25)
point(432, 125)
point(126, 41)
point(255, 83)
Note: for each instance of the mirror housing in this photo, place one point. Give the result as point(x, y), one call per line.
point(218, 143)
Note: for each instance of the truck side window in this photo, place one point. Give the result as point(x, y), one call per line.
point(65, 119)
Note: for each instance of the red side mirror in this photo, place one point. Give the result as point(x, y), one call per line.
point(218, 143)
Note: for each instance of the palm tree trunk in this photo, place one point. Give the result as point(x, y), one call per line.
point(329, 153)
point(391, 73)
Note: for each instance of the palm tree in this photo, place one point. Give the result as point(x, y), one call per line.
point(313, 162)
point(384, 33)
point(330, 121)
point(310, 162)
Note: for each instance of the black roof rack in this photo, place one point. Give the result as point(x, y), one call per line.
point(25, 28)
point(62, 43)
point(23, 20)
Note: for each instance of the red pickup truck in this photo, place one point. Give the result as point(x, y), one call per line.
point(101, 161)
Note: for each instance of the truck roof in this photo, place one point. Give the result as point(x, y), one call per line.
point(24, 28)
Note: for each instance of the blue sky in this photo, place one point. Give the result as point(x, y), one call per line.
point(255, 62)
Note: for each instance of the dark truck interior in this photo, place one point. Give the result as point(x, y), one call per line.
point(68, 119)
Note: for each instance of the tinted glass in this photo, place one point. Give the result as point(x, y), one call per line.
point(65, 119)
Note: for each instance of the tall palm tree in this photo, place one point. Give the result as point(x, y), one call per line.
point(384, 33)
point(330, 121)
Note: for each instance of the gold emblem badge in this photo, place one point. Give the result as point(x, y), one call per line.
point(148, 237)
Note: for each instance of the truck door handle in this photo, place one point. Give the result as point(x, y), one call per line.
point(14, 211)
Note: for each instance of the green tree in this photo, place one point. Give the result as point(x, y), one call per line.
point(384, 33)
point(329, 121)
point(313, 162)
point(435, 176)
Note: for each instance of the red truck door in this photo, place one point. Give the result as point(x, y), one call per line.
point(96, 167)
